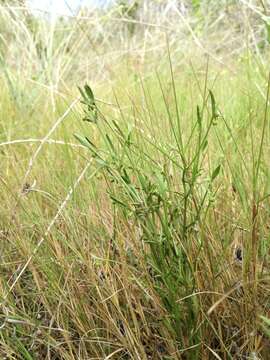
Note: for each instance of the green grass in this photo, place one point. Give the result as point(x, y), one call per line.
point(142, 232)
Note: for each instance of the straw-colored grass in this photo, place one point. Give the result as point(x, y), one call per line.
point(144, 232)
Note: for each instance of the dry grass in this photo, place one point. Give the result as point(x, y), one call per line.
point(149, 240)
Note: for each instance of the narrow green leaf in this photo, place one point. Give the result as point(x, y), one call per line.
point(82, 95)
point(89, 93)
point(88, 99)
point(116, 201)
point(204, 145)
point(215, 172)
point(110, 143)
point(199, 118)
point(83, 140)
point(213, 105)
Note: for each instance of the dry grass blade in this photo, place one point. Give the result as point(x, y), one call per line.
point(49, 141)
point(46, 138)
point(58, 213)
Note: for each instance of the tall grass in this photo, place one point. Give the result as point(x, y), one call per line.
point(134, 212)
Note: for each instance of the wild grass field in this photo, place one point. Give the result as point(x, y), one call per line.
point(134, 212)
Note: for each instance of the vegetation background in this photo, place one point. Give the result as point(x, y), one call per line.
point(134, 213)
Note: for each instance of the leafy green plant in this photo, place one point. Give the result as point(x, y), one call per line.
point(163, 213)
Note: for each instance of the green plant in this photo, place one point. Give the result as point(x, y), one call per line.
point(165, 213)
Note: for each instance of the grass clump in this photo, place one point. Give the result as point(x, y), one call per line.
point(159, 249)
point(168, 191)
